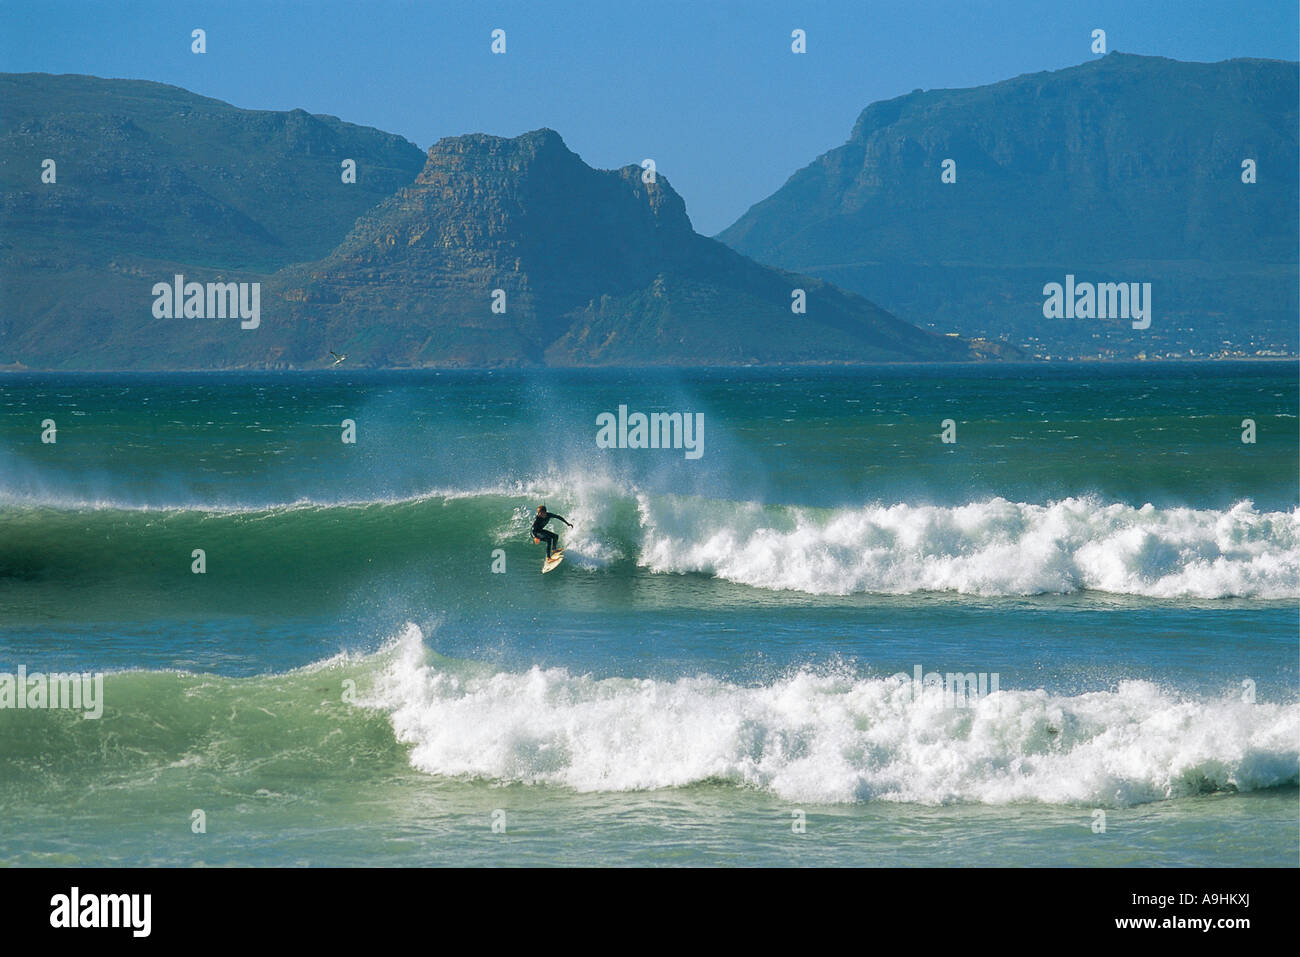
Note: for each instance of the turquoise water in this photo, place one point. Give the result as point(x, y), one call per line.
point(351, 682)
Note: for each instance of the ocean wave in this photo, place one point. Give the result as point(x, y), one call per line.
point(830, 737)
point(986, 548)
point(825, 736)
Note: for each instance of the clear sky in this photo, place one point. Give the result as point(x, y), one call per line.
point(707, 88)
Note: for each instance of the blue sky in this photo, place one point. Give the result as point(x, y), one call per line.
point(709, 89)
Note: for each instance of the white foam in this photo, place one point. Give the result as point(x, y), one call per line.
point(829, 738)
point(995, 547)
point(988, 548)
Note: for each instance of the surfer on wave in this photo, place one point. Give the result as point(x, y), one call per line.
point(540, 533)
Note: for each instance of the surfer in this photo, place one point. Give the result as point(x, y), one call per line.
point(540, 533)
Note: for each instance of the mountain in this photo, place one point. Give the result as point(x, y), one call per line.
point(1124, 169)
point(152, 180)
point(397, 269)
point(146, 169)
point(596, 267)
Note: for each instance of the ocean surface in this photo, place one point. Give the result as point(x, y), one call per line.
point(371, 670)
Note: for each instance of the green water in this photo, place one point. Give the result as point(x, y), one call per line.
point(713, 656)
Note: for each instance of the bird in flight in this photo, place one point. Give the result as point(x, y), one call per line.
point(337, 358)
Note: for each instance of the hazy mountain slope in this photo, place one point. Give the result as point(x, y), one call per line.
point(1126, 168)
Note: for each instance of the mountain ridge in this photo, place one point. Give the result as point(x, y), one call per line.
point(593, 267)
point(163, 197)
point(1124, 167)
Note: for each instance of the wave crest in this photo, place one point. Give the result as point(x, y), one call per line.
point(984, 548)
point(830, 738)
point(987, 548)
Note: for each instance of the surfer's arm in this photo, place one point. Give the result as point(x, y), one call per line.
point(564, 520)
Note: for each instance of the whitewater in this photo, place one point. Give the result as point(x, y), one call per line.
point(829, 737)
point(993, 547)
point(345, 654)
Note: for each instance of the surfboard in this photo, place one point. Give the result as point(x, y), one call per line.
point(550, 564)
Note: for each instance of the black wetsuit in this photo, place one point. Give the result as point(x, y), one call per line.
point(539, 530)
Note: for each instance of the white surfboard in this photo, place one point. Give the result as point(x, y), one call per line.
point(550, 564)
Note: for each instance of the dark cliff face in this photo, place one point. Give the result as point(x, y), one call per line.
point(1127, 166)
point(522, 215)
point(596, 267)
